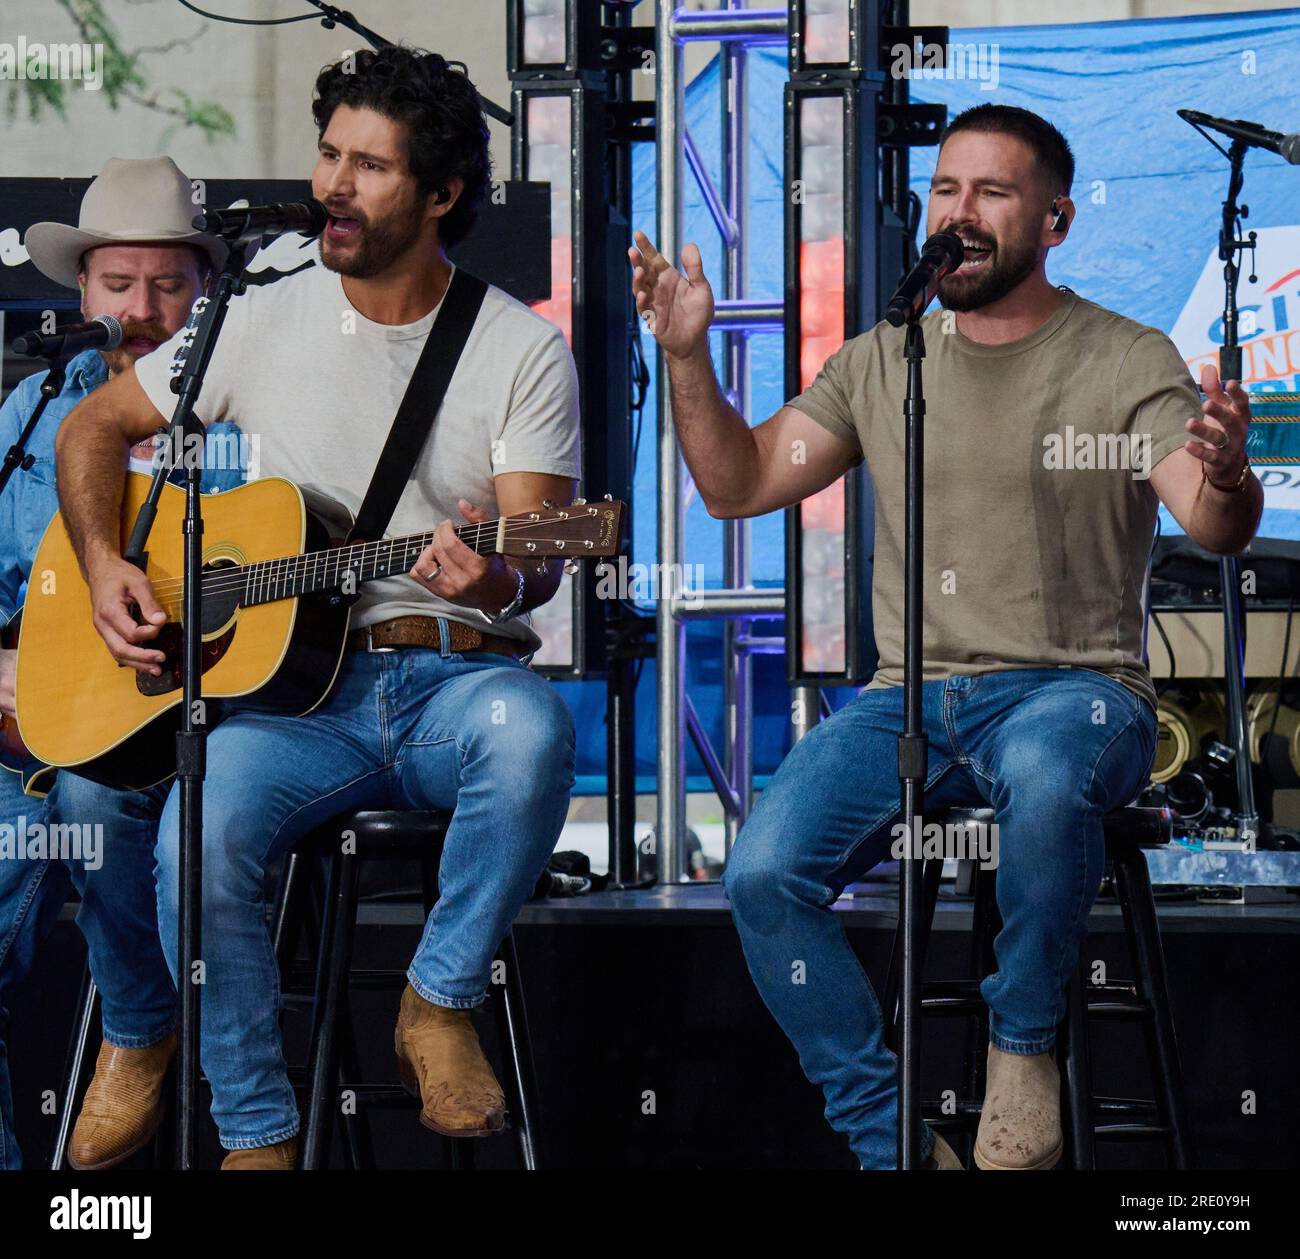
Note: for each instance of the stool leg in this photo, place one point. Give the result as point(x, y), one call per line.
point(358, 1143)
point(1077, 1074)
point(87, 1009)
point(331, 978)
point(512, 1024)
point(287, 916)
point(1133, 882)
point(460, 1153)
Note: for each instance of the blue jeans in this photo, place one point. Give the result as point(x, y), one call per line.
point(117, 916)
point(1050, 750)
point(415, 728)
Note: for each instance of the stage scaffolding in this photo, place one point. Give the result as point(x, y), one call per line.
point(737, 29)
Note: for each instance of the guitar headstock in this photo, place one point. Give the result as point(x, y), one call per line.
point(582, 530)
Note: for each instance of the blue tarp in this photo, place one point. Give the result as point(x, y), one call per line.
point(1148, 189)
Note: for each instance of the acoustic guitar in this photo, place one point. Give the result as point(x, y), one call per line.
point(276, 607)
point(14, 756)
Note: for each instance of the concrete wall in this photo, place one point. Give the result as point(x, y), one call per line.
point(263, 75)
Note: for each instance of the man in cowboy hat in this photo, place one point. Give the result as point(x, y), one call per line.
point(133, 255)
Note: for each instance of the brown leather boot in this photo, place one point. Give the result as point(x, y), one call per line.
point(281, 1157)
point(440, 1061)
point(1020, 1124)
point(123, 1105)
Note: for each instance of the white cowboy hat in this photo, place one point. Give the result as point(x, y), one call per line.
point(132, 202)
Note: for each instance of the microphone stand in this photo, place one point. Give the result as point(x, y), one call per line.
point(913, 749)
point(334, 16)
point(51, 387)
point(1234, 637)
point(186, 433)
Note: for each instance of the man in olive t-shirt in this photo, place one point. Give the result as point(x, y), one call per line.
point(1039, 510)
point(1053, 426)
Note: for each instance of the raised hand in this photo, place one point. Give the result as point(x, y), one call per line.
point(677, 308)
point(1221, 446)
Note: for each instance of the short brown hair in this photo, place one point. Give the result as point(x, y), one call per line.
point(1052, 156)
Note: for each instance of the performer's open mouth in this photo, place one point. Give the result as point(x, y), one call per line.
point(977, 255)
point(341, 228)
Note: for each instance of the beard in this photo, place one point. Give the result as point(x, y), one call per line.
point(376, 246)
point(120, 359)
point(1007, 266)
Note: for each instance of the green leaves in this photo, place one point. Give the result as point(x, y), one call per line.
point(125, 77)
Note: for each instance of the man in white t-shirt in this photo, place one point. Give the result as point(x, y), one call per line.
point(315, 363)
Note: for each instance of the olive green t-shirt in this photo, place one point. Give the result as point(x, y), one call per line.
point(1039, 518)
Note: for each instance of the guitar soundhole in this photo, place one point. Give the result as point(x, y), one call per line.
point(171, 642)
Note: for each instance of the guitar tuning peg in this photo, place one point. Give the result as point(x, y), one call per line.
point(570, 567)
point(609, 498)
point(550, 506)
point(579, 502)
point(541, 567)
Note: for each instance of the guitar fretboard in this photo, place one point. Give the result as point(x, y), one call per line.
point(318, 571)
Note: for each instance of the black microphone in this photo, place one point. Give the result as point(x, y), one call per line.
point(101, 333)
point(1252, 133)
point(942, 253)
point(251, 222)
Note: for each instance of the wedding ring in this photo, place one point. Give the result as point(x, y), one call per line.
point(433, 572)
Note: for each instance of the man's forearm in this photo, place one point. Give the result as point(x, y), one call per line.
point(717, 444)
point(90, 463)
point(1225, 521)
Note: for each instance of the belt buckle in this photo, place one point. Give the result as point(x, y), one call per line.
point(370, 646)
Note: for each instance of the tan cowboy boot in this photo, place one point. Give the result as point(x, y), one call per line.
point(440, 1061)
point(1020, 1124)
point(123, 1105)
point(943, 1158)
point(281, 1157)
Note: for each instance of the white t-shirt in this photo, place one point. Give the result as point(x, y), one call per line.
point(314, 386)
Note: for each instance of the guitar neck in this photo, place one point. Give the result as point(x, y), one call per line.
point(319, 571)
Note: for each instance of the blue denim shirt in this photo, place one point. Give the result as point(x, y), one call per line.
point(29, 501)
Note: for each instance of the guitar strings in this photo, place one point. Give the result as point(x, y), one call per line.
point(220, 580)
point(305, 564)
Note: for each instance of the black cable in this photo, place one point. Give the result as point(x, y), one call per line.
point(1173, 665)
point(641, 380)
point(329, 17)
point(910, 228)
point(248, 21)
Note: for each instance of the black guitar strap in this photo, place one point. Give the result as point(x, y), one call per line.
point(420, 404)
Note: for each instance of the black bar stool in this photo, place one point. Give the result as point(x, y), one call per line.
point(324, 864)
point(1086, 1118)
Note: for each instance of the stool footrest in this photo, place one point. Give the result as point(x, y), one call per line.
point(1131, 1131)
point(1132, 1106)
point(1120, 1008)
point(301, 979)
point(933, 1112)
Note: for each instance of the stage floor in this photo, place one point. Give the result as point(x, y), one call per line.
point(866, 905)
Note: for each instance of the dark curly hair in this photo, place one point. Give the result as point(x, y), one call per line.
point(442, 113)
